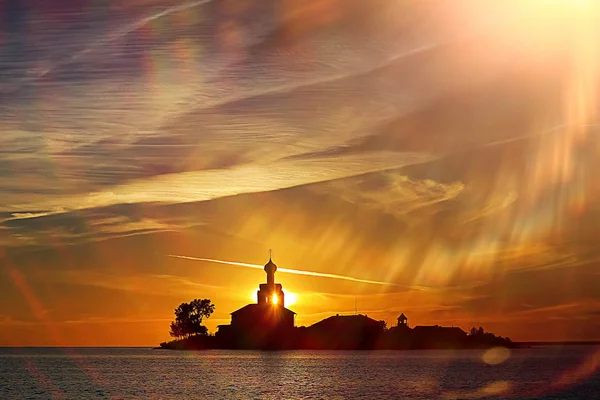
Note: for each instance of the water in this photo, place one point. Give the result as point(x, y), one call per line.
point(130, 373)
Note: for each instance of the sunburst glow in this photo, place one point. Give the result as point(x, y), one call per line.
point(290, 298)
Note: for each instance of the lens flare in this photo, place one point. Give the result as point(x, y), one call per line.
point(496, 355)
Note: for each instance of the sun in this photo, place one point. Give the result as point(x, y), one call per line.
point(290, 298)
point(549, 22)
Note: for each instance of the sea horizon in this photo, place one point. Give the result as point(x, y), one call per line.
point(155, 346)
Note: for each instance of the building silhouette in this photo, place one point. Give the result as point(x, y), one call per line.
point(344, 332)
point(270, 292)
point(263, 323)
point(438, 337)
point(268, 325)
point(403, 320)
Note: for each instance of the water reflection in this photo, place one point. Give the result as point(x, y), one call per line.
point(154, 374)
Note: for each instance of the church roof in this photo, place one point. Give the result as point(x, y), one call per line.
point(270, 264)
point(356, 320)
point(437, 328)
point(255, 308)
point(402, 316)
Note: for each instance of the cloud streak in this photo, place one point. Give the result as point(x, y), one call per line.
point(37, 74)
point(208, 185)
point(290, 271)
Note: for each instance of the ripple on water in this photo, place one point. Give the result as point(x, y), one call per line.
point(155, 374)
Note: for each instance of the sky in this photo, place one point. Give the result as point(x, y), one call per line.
point(432, 158)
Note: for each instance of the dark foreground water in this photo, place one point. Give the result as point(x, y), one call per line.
point(125, 373)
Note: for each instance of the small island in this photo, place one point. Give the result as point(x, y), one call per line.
point(268, 325)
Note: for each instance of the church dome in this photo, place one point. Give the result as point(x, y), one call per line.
point(270, 266)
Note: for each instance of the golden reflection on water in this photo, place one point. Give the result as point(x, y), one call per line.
point(492, 389)
point(582, 372)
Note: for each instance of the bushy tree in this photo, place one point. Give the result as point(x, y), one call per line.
point(189, 317)
point(476, 332)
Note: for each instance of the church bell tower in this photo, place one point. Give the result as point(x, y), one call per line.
point(270, 292)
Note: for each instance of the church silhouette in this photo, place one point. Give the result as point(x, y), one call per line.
point(255, 324)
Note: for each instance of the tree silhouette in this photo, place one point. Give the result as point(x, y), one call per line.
point(189, 316)
point(477, 331)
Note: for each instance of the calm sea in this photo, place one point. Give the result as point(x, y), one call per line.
point(126, 373)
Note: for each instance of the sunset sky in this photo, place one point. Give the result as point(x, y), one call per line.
point(435, 158)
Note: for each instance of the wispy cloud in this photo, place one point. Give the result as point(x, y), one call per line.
point(41, 72)
point(150, 284)
point(207, 185)
point(296, 271)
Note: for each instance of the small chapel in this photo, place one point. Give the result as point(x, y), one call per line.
point(266, 316)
